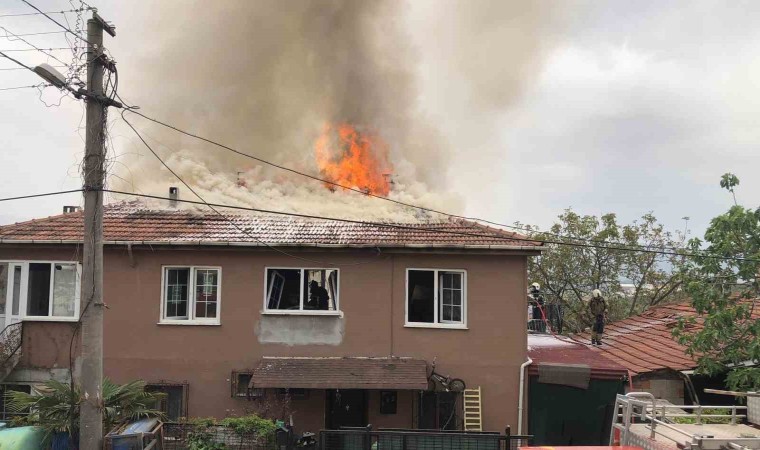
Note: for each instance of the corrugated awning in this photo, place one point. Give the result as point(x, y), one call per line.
point(341, 373)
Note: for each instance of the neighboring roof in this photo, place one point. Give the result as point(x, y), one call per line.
point(130, 222)
point(546, 349)
point(341, 373)
point(645, 343)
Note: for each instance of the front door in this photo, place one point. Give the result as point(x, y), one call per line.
point(346, 408)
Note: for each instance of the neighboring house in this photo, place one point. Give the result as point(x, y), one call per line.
point(333, 323)
point(645, 346)
point(571, 392)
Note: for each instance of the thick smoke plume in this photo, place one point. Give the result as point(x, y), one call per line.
point(266, 76)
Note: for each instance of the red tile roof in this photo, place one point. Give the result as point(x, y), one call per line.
point(341, 373)
point(131, 222)
point(644, 343)
point(560, 350)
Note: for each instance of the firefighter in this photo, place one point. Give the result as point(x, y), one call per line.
point(597, 307)
point(536, 299)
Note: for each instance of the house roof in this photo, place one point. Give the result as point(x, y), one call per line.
point(340, 373)
point(644, 343)
point(545, 349)
point(131, 222)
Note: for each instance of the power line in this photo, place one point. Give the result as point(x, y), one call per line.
point(418, 229)
point(56, 22)
point(41, 33)
point(17, 38)
point(26, 87)
point(41, 13)
point(369, 194)
point(35, 49)
point(220, 214)
point(24, 68)
point(46, 194)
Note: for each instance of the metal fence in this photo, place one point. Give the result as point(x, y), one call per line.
point(368, 439)
point(183, 436)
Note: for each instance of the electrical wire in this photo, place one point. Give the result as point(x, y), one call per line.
point(34, 49)
point(41, 33)
point(675, 250)
point(26, 87)
point(56, 22)
point(401, 226)
point(17, 38)
point(46, 194)
point(222, 215)
point(24, 68)
point(38, 13)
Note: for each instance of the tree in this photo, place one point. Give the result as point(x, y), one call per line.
point(584, 253)
point(723, 286)
point(56, 408)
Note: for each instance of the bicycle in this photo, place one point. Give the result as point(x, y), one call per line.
point(449, 384)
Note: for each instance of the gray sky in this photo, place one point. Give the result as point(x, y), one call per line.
point(624, 107)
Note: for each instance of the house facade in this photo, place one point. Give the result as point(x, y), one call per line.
point(328, 323)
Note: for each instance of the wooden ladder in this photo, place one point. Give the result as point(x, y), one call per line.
point(473, 417)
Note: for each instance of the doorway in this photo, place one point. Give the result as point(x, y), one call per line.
point(346, 408)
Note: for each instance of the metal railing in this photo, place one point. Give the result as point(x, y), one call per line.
point(407, 439)
point(11, 339)
point(642, 408)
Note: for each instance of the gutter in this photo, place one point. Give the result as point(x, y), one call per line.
point(520, 401)
point(534, 248)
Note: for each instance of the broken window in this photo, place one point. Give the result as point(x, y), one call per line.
point(191, 294)
point(302, 289)
point(435, 296)
point(240, 382)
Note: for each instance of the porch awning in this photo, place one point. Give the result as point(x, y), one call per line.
point(341, 373)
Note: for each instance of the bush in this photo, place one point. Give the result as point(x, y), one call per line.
point(262, 428)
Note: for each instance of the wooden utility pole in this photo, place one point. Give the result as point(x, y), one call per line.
point(91, 410)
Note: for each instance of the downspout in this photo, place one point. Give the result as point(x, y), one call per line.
point(520, 401)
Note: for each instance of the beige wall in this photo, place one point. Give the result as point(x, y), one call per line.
point(372, 296)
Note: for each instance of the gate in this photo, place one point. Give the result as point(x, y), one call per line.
point(398, 439)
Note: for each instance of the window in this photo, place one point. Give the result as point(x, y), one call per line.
point(5, 389)
point(436, 298)
point(191, 295)
point(388, 402)
point(40, 290)
point(240, 382)
point(295, 290)
point(174, 402)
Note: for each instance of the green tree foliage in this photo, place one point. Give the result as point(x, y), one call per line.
point(56, 408)
point(724, 336)
point(568, 273)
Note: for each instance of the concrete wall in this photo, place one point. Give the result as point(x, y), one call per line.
point(665, 386)
point(372, 297)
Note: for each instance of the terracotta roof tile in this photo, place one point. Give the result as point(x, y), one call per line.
point(644, 343)
point(131, 222)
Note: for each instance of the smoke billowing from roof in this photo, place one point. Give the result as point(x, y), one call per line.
point(266, 76)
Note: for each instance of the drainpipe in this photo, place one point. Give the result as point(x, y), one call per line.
point(520, 401)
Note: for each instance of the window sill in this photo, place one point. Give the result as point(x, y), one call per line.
point(442, 326)
point(49, 319)
point(303, 313)
point(190, 323)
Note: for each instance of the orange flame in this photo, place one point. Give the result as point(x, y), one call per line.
point(354, 158)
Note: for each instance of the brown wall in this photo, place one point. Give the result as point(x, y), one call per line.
point(372, 296)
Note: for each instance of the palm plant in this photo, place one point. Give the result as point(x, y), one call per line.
point(56, 407)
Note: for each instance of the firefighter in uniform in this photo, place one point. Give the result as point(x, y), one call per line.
point(597, 307)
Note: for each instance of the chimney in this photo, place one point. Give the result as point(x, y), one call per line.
point(173, 196)
point(70, 209)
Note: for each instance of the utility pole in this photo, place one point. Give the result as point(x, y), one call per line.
point(91, 410)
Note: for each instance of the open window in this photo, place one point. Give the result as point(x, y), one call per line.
point(174, 402)
point(436, 298)
point(191, 295)
point(297, 290)
point(40, 290)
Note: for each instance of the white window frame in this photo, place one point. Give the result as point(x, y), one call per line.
point(191, 319)
point(24, 292)
point(436, 300)
point(300, 311)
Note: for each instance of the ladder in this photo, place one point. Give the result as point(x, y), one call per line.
point(473, 417)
